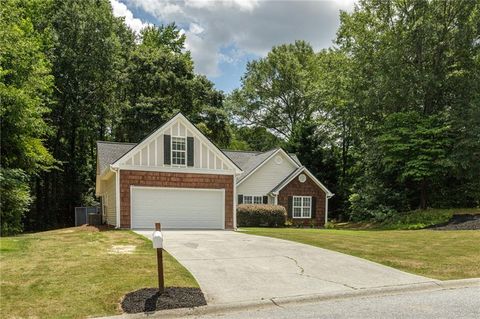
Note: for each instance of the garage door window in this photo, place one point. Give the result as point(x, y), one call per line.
point(178, 151)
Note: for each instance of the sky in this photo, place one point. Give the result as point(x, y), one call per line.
point(223, 36)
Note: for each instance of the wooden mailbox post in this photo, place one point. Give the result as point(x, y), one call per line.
point(157, 240)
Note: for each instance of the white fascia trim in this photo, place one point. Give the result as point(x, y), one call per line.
point(268, 159)
point(327, 192)
point(167, 169)
point(189, 125)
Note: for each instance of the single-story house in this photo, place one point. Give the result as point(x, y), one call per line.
point(177, 176)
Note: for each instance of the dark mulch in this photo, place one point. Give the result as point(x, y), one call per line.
point(148, 299)
point(460, 222)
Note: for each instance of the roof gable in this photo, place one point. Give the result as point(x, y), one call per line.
point(255, 163)
point(250, 160)
point(301, 169)
point(148, 154)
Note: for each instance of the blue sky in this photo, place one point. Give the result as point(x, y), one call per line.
point(224, 35)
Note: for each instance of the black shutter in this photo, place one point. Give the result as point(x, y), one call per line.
point(240, 199)
point(190, 151)
point(314, 207)
point(265, 199)
point(166, 149)
point(290, 206)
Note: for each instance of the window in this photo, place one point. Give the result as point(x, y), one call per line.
point(302, 207)
point(179, 151)
point(250, 199)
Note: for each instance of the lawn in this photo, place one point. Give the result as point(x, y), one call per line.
point(435, 254)
point(74, 273)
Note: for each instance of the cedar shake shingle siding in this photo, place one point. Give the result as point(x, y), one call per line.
point(308, 188)
point(182, 180)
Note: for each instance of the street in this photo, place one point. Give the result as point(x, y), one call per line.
point(447, 303)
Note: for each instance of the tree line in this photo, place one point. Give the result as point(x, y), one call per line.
point(388, 117)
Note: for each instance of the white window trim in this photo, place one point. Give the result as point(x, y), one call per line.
point(172, 150)
point(302, 206)
point(252, 198)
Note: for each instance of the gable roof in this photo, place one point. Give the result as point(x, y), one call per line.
point(294, 174)
point(109, 152)
point(248, 161)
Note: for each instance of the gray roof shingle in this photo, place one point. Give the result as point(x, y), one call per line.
point(109, 152)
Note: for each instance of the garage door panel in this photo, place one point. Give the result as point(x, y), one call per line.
point(177, 208)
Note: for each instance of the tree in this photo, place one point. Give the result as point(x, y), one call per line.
point(415, 61)
point(415, 149)
point(255, 139)
point(277, 91)
point(25, 87)
point(161, 82)
point(85, 55)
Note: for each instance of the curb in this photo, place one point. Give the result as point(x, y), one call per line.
point(279, 301)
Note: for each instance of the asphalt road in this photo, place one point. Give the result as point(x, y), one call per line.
point(448, 303)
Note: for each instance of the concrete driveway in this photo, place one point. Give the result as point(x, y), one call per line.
point(232, 267)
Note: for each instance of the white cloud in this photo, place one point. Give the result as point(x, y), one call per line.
point(249, 26)
point(121, 10)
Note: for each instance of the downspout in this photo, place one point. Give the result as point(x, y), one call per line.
point(327, 197)
point(234, 202)
point(117, 195)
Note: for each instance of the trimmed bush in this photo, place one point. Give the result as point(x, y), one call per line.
point(254, 215)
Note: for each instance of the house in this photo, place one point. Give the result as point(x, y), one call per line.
point(177, 176)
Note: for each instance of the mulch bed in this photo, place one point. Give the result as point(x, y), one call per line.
point(460, 222)
point(148, 299)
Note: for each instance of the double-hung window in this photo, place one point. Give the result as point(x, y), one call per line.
point(179, 151)
point(302, 207)
point(250, 199)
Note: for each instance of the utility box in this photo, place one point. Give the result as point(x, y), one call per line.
point(94, 219)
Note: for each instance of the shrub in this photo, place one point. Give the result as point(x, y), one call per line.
point(14, 200)
point(251, 215)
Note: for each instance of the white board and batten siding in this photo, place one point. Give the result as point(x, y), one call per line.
point(149, 154)
point(266, 177)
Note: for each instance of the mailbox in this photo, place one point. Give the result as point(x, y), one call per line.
point(157, 239)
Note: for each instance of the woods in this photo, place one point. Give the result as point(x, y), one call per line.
point(388, 117)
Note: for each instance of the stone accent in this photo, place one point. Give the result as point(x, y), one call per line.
point(181, 180)
point(308, 188)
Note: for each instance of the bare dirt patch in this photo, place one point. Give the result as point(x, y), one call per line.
point(122, 249)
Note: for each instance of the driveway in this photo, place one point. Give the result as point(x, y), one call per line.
point(232, 267)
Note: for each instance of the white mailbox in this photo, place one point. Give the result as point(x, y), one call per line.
point(157, 239)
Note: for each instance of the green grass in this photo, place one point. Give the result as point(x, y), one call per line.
point(71, 273)
point(417, 219)
point(436, 254)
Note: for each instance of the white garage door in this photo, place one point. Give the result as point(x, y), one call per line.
point(177, 207)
